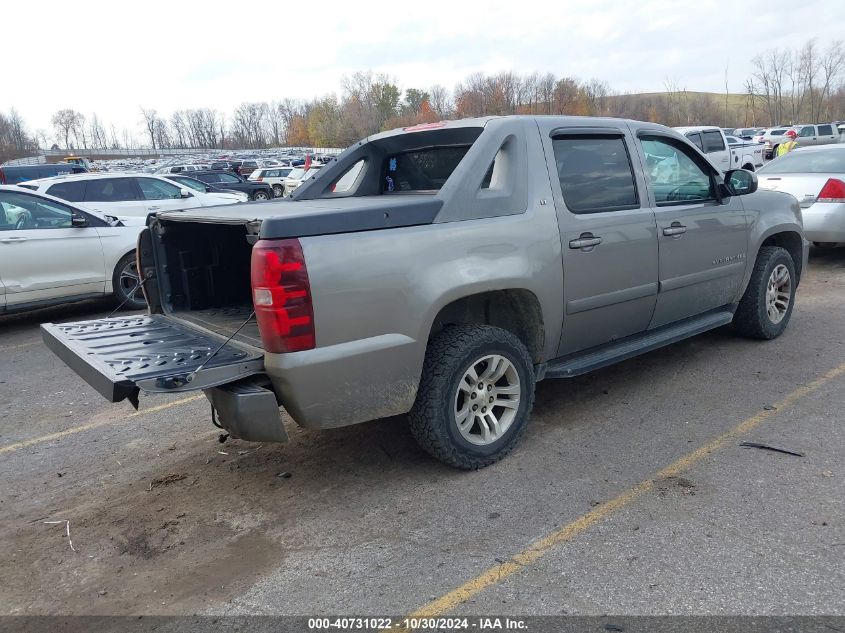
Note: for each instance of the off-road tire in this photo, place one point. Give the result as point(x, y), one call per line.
point(121, 295)
point(751, 319)
point(448, 356)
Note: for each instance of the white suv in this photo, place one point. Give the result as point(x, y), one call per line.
point(52, 252)
point(273, 176)
point(124, 195)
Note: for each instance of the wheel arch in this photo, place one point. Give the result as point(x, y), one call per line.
point(516, 310)
point(793, 243)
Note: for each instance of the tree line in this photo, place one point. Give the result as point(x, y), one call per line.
point(787, 86)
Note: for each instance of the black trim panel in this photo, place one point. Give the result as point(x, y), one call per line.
point(397, 212)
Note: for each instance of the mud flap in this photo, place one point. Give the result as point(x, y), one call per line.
point(121, 356)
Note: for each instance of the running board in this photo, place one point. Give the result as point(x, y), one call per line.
point(598, 357)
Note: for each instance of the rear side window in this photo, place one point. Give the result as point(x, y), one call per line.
point(71, 191)
point(421, 169)
point(713, 141)
point(595, 173)
point(111, 190)
point(825, 130)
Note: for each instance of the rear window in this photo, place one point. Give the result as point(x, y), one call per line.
point(695, 137)
point(424, 169)
point(595, 174)
point(828, 161)
point(713, 141)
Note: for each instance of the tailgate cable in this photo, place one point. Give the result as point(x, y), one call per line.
point(131, 295)
point(194, 373)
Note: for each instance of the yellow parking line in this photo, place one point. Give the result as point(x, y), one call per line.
point(8, 348)
point(93, 425)
point(544, 545)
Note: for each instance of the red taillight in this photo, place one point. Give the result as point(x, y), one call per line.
point(281, 295)
point(259, 179)
point(833, 191)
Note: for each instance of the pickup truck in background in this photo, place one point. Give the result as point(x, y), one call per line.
point(807, 136)
point(712, 141)
point(440, 271)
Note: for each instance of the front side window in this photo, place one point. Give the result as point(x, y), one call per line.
point(22, 212)
point(70, 191)
point(806, 131)
point(196, 185)
point(421, 169)
point(153, 189)
point(595, 173)
point(225, 178)
point(713, 141)
point(675, 176)
point(111, 190)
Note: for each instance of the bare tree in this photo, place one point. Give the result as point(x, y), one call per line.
point(66, 122)
point(832, 65)
point(151, 120)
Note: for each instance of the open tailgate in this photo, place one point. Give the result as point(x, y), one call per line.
point(121, 355)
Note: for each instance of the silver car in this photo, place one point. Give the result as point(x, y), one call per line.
point(816, 177)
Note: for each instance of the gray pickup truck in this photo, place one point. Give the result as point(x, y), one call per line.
point(440, 271)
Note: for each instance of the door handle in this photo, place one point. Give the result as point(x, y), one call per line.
point(153, 208)
point(587, 240)
point(9, 240)
point(677, 229)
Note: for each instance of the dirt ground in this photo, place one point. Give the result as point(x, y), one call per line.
point(165, 519)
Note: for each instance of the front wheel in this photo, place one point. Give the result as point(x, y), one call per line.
point(126, 283)
point(475, 395)
point(260, 195)
point(278, 191)
point(766, 306)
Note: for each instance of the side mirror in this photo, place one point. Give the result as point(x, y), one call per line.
point(740, 182)
point(184, 193)
point(78, 221)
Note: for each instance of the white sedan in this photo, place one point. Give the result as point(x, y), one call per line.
point(816, 177)
point(52, 252)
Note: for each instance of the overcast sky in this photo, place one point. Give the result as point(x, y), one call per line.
point(112, 57)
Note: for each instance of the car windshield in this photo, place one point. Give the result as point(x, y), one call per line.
point(830, 161)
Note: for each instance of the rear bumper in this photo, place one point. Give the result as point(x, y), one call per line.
point(348, 383)
point(824, 222)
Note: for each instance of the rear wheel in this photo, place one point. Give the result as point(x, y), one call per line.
point(278, 191)
point(260, 195)
point(766, 306)
point(475, 395)
point(126, 283)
